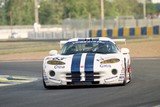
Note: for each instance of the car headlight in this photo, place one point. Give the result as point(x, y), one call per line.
point(55, 62)
point(113, 60)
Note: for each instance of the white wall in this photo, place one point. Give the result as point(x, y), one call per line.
point(14, 33)
point(6, 33)
point(155, 1)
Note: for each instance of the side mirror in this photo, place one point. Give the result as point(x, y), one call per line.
point(125, 50)
point(53, 52)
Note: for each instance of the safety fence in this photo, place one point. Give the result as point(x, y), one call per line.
point(74, 28)
point(114, 28)
point(57, 35)
point(125, 32)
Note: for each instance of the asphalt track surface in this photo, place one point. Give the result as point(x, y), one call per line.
point(143, 91)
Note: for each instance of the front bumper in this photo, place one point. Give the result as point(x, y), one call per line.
point(97, 78)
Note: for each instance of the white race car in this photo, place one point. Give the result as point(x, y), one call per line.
point(87, 61)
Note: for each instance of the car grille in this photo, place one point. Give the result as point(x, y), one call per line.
point(88, 75)
point(83, 83)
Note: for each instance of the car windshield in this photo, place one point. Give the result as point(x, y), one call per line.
point(102, 47)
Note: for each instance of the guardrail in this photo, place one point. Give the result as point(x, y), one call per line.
point(57, 35)
point(112, 33)
point(84, 28)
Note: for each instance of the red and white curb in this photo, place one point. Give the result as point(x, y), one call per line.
point(6, 80)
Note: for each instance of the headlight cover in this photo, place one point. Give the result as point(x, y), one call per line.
point(108, 61)
point(55, 62)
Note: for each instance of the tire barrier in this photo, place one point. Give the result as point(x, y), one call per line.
point(126, 32)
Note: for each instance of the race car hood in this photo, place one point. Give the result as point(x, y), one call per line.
point(83, 61)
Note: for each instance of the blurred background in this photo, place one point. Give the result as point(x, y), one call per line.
point(29, 29)
point(63, 19)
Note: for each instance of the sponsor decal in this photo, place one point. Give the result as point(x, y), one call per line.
point(48, 58)
point(89, 42)
point(45, 78)
point(120, 80)
point(101, 59)
point(121, 77)
point(89, 39)
point(59, 58)
point(111, 78)
point(56, 80)
point(105, 66)
point(59, 67)
point(122, 74)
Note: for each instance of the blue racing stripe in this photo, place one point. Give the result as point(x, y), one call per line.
point(89, 72)
point(75, 67)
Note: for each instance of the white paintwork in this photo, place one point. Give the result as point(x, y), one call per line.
point(104, 70)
